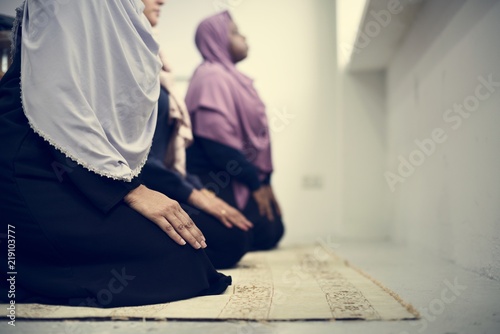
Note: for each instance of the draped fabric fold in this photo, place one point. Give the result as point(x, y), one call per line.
point(182, 136)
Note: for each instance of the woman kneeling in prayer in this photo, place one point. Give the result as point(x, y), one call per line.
point(231, 152)
point(76, 122)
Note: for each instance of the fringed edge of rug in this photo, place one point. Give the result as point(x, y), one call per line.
point(409, 307)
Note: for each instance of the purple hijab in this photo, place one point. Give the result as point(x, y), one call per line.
point(223, 104)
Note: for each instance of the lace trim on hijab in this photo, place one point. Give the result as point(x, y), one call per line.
point(47, 138)
point(133, 173)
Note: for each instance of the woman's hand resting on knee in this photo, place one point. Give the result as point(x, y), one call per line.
point(266, 201)
point(225, 213)
point(167, 214)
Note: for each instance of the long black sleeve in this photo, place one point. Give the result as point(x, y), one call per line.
point(102, 191)
point(158, 177)
point(155, 174)
point(222, 156)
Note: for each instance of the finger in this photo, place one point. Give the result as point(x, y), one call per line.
point(238, 223)
point(269, 211)
point(262, 209)
point(237, 218)
point(191, 229)
point(221, 214)
point(181, 228)
point(190, 225)
point(225, 221)
point(242, 219)
point(243, 226)
point(246, 221)
point(170, 231)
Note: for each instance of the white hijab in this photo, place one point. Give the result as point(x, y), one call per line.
point(90, 81)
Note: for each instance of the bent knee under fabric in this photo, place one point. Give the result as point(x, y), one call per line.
point(265, 234)
point(84, 256)
point(226, 246)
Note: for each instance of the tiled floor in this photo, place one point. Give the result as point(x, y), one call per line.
point(451, 299)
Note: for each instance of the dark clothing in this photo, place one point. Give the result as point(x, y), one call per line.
point(226, 246)
point(206, 156)
point(155, 174)
point(6, 22)
point(76, 241)
point(265, 234)
point(157, 177)
point(209, 160)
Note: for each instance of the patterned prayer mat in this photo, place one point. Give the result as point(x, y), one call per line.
point(291, 283)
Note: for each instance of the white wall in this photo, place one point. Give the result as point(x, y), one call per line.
point(361, 145)
point(349, 16)
point(360, 137)
point(450, 203)
point(8, 7)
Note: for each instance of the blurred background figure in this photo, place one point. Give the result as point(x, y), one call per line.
point(232, 149)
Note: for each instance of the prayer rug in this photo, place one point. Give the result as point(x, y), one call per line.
point(289, 283)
